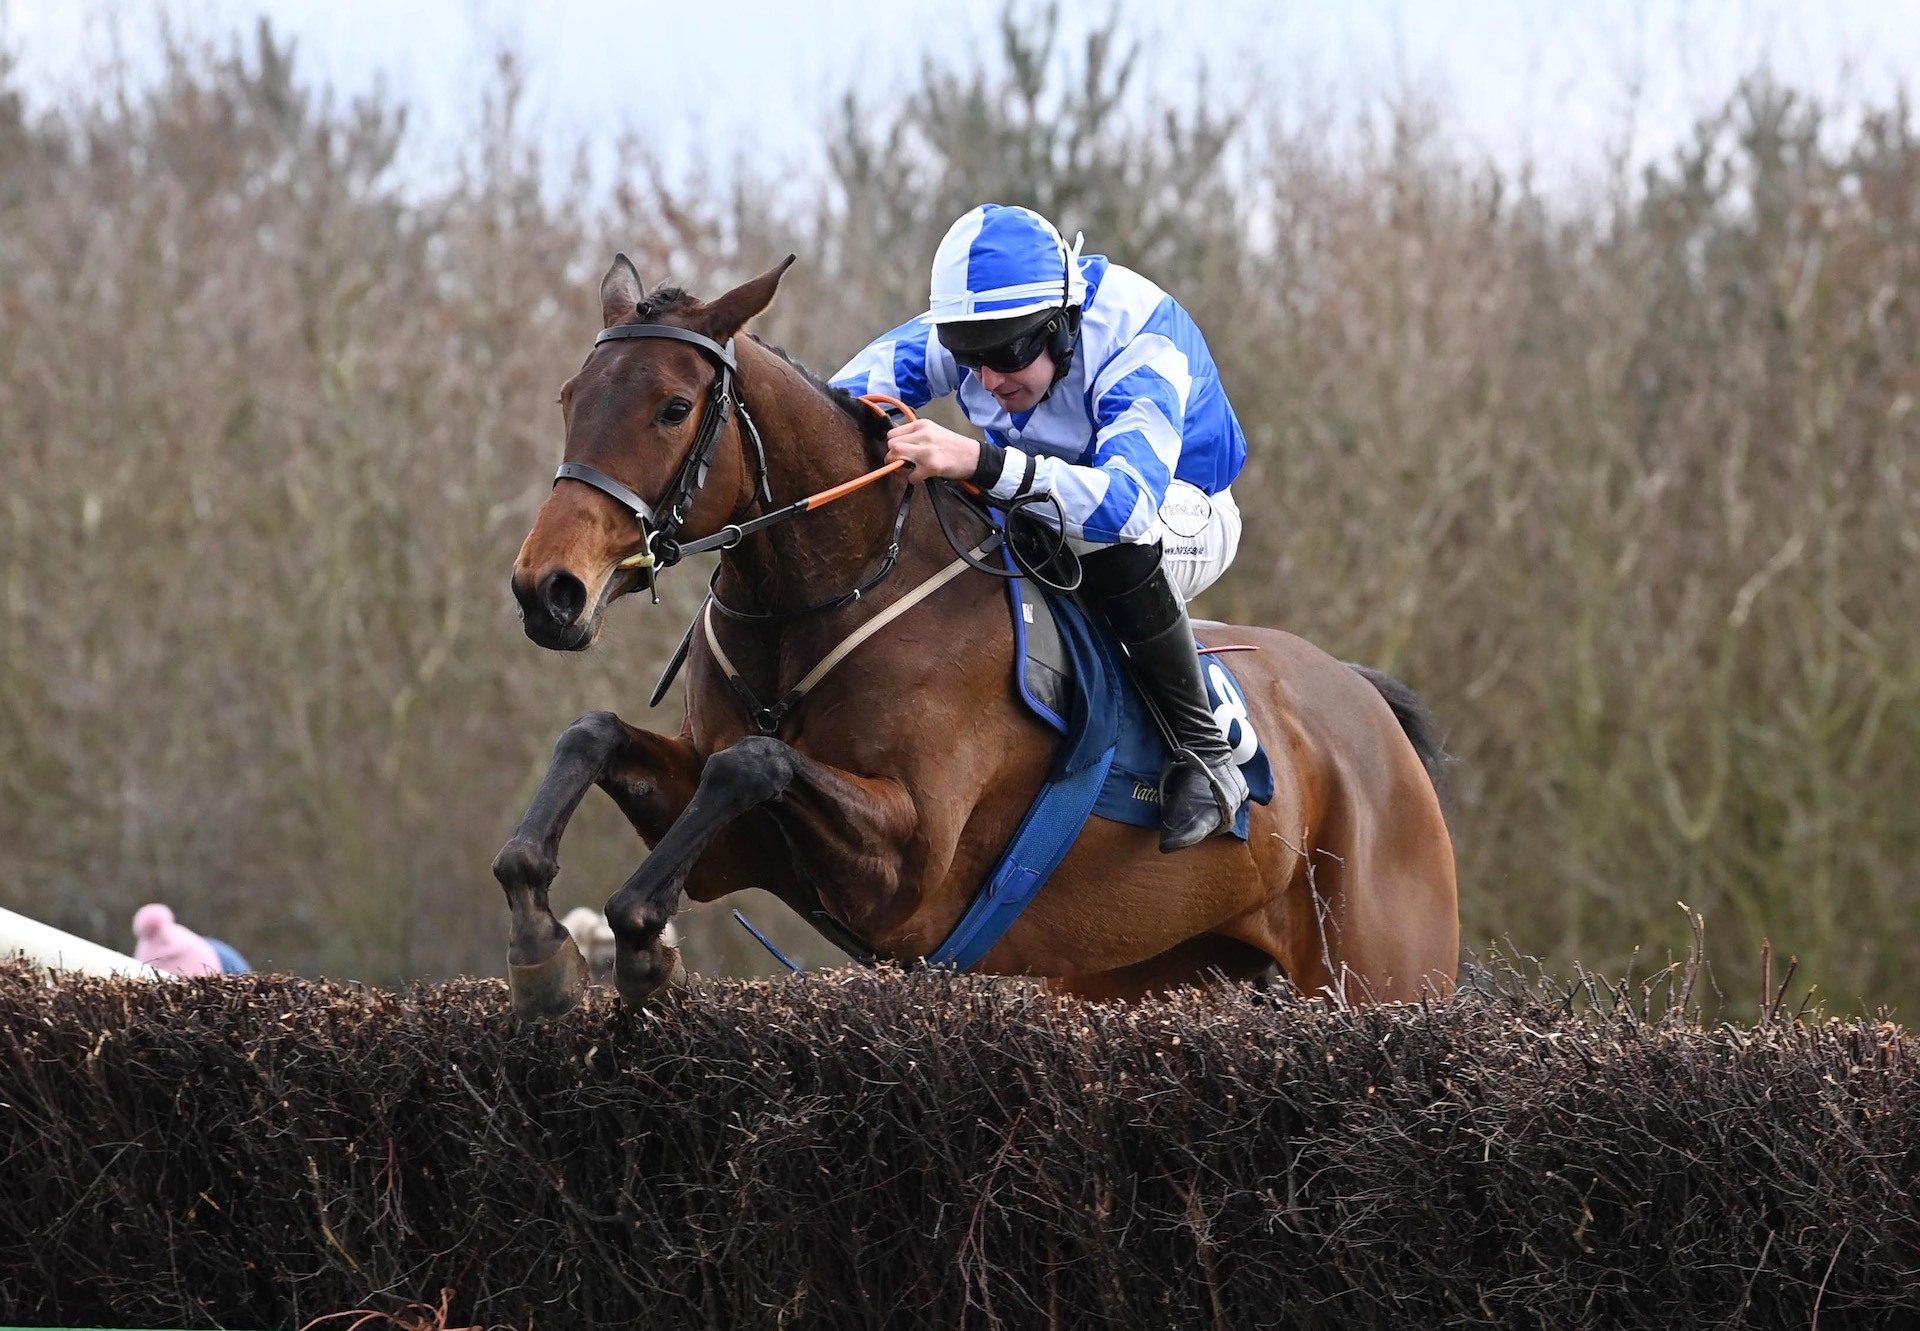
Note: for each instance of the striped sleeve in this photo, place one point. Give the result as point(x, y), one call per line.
point(908, 363)
point(1139, 401)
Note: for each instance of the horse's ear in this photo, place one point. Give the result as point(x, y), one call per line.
point(726, 315)
point(620, 291)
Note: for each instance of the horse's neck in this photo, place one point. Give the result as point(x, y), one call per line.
point(810, 444)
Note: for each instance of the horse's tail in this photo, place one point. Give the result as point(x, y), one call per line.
point(1414, 718)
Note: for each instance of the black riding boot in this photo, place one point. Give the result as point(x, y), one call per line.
point(1127, 586)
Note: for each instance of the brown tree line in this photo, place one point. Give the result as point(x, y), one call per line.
point(1625, 486)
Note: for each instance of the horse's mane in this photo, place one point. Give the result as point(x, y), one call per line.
point(873, 426)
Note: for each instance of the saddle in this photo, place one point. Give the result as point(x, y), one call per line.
point(1053, 667)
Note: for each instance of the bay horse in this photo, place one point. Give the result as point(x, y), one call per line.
point(883, 798)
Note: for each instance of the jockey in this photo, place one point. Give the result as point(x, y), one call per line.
point(1094, 386)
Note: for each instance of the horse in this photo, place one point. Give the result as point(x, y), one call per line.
point(877, 800)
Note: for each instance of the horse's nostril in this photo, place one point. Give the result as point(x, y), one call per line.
point(564, 597)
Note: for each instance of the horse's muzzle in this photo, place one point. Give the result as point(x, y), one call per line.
point(552, 610)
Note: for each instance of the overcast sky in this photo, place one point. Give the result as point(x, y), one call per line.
point(1552, 81)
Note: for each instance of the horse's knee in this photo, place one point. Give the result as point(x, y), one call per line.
point(749, 770)
point(594, 736)
point(524, 863)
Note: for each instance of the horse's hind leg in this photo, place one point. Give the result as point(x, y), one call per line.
point(545, 971)
point(1364, 920)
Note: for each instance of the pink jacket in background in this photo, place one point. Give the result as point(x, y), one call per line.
point(168, 946)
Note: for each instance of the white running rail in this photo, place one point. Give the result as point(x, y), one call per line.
point(57, 950)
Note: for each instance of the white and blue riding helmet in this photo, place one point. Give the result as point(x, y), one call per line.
point(1002, 272)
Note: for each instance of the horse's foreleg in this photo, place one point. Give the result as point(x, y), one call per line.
point(860, 824)
point(544, 969)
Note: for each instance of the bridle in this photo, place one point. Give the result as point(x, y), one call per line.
point(664, 548)
point(660, 528)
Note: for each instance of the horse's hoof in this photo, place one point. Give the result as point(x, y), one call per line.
point(640, 977)
point(551, 988)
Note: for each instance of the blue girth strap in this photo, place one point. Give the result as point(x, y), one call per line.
point(1049, 830)
point(1052, 826)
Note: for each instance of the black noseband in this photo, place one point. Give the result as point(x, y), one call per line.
point(661, 528)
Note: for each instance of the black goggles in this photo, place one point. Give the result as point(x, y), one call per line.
point(1010, 357)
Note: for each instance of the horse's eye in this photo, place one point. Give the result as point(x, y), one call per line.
point(675, 411)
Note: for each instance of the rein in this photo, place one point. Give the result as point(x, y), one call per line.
point(735, 532)
point(881, 403)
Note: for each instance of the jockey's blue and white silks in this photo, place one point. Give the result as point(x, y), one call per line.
point(1141, 405)
point(998, 262)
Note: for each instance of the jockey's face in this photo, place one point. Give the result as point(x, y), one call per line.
point(1023, 389)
